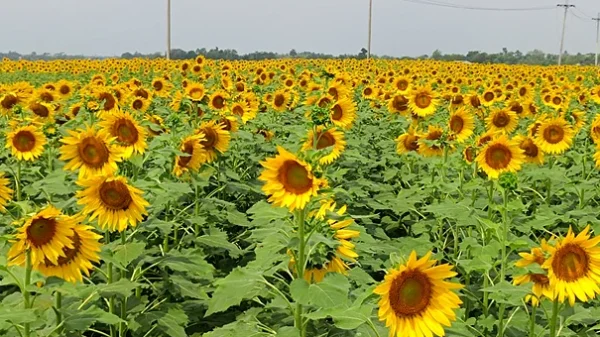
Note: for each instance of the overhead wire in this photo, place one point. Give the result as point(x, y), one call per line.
point(457, 6)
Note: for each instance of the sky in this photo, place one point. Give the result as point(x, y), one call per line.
point(400, 28)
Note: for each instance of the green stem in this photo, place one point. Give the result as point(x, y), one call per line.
point(490, 200)
point(504, 238)
point(554, 318)
point(26, 294)
point(300, 265)
point(532, 323)
point(549, 182)
point(58, 308)
point(18, 181)
point(486, 284)
point(445, 160)
point(124, 302)
point(109, 280)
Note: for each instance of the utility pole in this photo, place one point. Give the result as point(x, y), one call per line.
point(168, 29)
point(562, 39)
point(370, 20)
point(597, 37)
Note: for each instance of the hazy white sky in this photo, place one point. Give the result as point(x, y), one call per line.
point(112, 27)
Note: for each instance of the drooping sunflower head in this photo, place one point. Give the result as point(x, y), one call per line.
point(45, 234)
point(90, 151)
point(416, 298)
point(113, 201)
point(26, 142)
point(500, 155)
point(554, 135)
point(407, 142)
point(533, 154)
point(195, 155)
point(8, 101)
point(216, 139)
point(289, 181)
point(573, 267)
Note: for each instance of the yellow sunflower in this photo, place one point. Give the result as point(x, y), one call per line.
point(422, 101)
point(216, 139)
point(243, 110)
point(332, 140)
point(5, 192)
point(195, 91)
point(574, 267)
point(461, 124)
point(541, 283)
point(398, 104)
point(110, 199)
point(416, 300)
point(139, 104)
point(289, 181)
point(129, 135)
point(281, 100)
point(196, 155)
point(532, 152)
point(45, 234)
point(554, 135)
point(500, 155)
point(343, 113)
point(90, 151)
point(426, 148)
point(42, 110)
point(26, 142)
point(78, 259)
point(8, 101)
point(230, 123)
point(218, 100)
point(407, 142)
point(502, 120)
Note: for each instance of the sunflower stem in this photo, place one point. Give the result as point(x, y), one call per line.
point(124, 302)
point(504, 240)
point(300, 268)
point(444, 161)
point(109, 280)
point(18, 181)
point(549, 182)
point(554, 318)
point(58, 308)
point(26, 295)
point(532, 321)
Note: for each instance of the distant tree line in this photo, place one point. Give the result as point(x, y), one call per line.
point(508, 57)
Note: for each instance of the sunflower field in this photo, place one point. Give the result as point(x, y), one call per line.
point(298, 198)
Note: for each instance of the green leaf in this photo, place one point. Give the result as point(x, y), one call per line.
point(82, 320)
point(218, 239)
point(329, 293)
point(122, 287)
point(344, 318)
point(125, 254)
point(188, 288)
point(17, 316)
point(240, 284)
point(173, 322)
point(299, 289)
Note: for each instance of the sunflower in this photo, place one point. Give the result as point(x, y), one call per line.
point(500, 155)
point(541, 282)
point(243, 110)
point(230, 123)
point(26, 142)
point(422, 101)
point(108, 100)
point(218, 100)
point(8, 101)
point(77, 259)
point(42, 110)
point(196, 155)
point(195, 91)
point(281, 100)
point(5, 192)
point(407, 142)
point(416, 300)
point(461, 124)
point(129, 136)
point(426, 148)
point(488, 97)
point(595, 129)
point(216, 138)
point(502, 120)
point(161, 87)
point(554, 135)
point(401, 84)
point(45, 234)
point(532, 152)
point(469, 154)
point(398, 104)
point(343, 113)
point(289, 181)
point(90, 151)
point(139, 104)
point(332, 140)
point(110, 199)
point(574, 267)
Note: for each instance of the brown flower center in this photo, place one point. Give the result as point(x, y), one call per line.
point(294, 177)
point(410, 293)
point(41, 231)
point(115, 195)
point(456, 124)
point(498, 156)
point(39, 109)
point(9, 101)
point(24, 141)
point(423, 100)
point(125, 131)
point(554, 134)
point(501, 119)
point(411, 142)
point(337, 112)
point(279, 100)
point(325, 139)
point(188, 148)
point(570, 262)
point(93, 152)
point(530, 149)
point(211, 138)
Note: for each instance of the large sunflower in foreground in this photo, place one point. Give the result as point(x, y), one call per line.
point(574, 267)
point(115, 203)
point(216, 139)
point(500, 155)
point(289, 181)
point(554, 135)
point(541, 283)
point(26, 142)
point(196, 155)
point(90, 151)
point(129, 135)
point(331, 140)
point(461, 124)
point(416, 300)
point(46, 234)
point(5, 192)
point(343, 113)
point(78, 259)
point(422, 101)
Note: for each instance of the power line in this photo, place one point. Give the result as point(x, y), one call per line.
point(456, 6)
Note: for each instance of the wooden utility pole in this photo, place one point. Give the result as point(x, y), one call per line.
point(168, 29)
point(370, 20)
point(597, 37)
